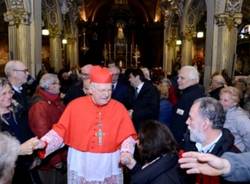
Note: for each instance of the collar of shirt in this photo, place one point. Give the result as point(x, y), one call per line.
point(139, 87)
point(208, 148)
point(18, 89)
point(114, 85)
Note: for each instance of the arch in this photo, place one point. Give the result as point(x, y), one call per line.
point(53, 13)
point(133, 3)
point(191, 10)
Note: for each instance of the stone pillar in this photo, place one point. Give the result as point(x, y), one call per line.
point(167, 65)
point(71, 54)
point(211, 47)
point(36, 36)
point(19, 35)
point(24, 47)
point(221, 36)
point(55, 48)
point(12, 33)
point(171, 54)
point(72, 48)
point(227, 40)
point(187, 45)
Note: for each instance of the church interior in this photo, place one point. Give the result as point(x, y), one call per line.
point(211, 34)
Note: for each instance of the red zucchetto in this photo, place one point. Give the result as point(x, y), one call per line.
point(100, 75)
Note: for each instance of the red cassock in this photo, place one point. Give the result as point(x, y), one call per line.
point(88, 127)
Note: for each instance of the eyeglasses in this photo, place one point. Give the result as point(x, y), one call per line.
point(24, 70)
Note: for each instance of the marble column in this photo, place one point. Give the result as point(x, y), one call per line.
point(167, 64)
point(24, 47)
point(19, 35)
point(211, 47)
point(227, 40)
point(171, 52)
point(36, 36)
point(55, 48)
point(12, 33)
point(187, 45)
point(72, 51)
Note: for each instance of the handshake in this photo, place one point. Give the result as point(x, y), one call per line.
point(30, 145)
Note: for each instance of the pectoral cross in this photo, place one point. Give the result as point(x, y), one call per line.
point(99, 134)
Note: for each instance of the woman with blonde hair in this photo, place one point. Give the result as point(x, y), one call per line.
point(237, 119)
point(11, 122)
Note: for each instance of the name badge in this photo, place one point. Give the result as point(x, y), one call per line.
point(180, 111)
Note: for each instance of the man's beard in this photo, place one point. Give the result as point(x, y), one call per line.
point(197, 136)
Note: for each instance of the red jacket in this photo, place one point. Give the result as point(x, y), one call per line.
point(46, 111)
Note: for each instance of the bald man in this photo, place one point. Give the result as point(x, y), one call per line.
point(188, 84)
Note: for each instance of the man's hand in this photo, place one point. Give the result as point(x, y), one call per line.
point(207, 164)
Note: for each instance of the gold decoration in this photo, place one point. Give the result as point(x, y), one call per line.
point(230, 20)
point(17, 17)
point(171, 42)
point(54, 31)
point(189, 32)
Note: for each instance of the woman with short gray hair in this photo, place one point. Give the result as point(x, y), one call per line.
point(45, 111)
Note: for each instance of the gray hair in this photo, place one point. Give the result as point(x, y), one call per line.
point(193, 73)
point(47, 79)
point(9, 149)
point(211, 109)
point(9, 66)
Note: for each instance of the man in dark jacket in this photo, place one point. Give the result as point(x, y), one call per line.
point(144, 99)
point(205, 124)
point(80, 88)
point(188, 79)
point(119, 89)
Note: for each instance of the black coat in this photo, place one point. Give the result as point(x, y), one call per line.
point(216, 93)
point(120, 93)
point(181, 111)
point(75, 91)
point(146, 105)
point(165, 170)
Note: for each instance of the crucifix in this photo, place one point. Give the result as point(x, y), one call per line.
point(99, 134)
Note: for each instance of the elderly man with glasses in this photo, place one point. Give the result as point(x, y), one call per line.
point(17, 74)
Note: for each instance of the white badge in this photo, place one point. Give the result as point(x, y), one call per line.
point(180, 111)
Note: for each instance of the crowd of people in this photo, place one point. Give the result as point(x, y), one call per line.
point(99, 125)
